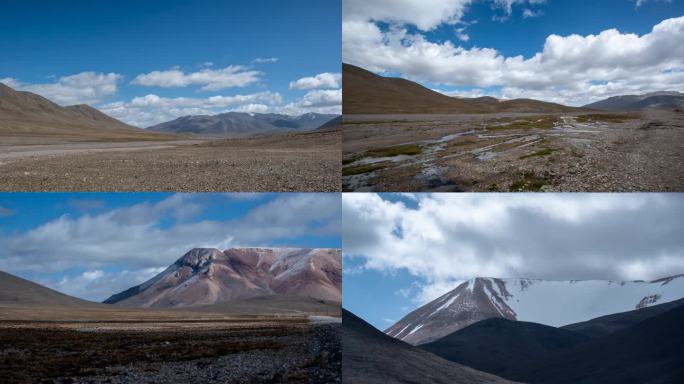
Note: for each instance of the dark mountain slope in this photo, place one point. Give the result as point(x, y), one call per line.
point(647, 353)
point(602, 326)
point(369, 357)
point(494, 345)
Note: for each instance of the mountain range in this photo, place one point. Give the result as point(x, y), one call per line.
point(233, 124)
point(659, 100)
point(28, 114)
point(552, 303)
point(371, 357)
point(641, 346)
point(207, 276)
point(368, 93)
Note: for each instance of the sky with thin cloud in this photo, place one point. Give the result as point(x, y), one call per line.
point(409, 249)
point(565, 51)
point(92, 245)
point(147, 62)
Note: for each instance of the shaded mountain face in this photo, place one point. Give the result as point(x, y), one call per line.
point(234, 124)
point(554, 303)
point(647, 352)
point(495, 345)
point(15, 291)
point(371, 357)
point(657, 100)
point(368, 93)
point(641, 349)
point(206, 276)
point(25, 113)
point(605, 325)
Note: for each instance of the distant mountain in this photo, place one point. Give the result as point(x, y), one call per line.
point(331, 125)
point(25, 113)
point(234, 124)
point(554, 303)
point(206, 276)
point(643, 347)
point(495, 345)
point(368, 93)
point(15, 291)
point(370, 357)
point(658, 100)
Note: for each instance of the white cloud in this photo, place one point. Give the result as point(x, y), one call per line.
point(97, 285)
point(321, 101)
point(449, 238)
point(570, 69)
point(424, 14)
point(209, 79)
point(139, 239)
point(151, 109)
point(261, 60)
point(82, 88)
point(639, 3)
point(321, 81)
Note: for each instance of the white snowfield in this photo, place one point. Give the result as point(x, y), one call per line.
point(554, 303)
point(559, 303)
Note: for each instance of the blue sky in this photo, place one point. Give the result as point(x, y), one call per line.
point(567, 51)
point(401, 251)
point(271, 43)
point(92, 245)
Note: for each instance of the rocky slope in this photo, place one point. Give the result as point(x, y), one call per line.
point(206, 276)
point(368, 93)
point(553, 303)
point(233, 124)
point(15, 291)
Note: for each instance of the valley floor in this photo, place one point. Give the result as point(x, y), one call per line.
point(514, 152)
point(289, 162)
point(261, 351)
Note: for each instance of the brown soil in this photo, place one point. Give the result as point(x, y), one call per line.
point(291, 162)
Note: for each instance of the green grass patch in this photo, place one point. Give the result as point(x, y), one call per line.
point(410, 149)
point(543, 152)
point(606, 117)
point(349, 171)
point(535, 122)
point(528, 182)
point(352, 159)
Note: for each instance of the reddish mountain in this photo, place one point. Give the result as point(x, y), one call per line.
point(207, 276)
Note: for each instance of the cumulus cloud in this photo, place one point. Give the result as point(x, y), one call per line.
point(82, 88)
point(151, 109)
point(448, 238)
point(209, 79)
point(320, 101)
point(142, 238)
point(570, 69)
point(324, 80)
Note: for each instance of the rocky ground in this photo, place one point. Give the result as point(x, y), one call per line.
point(301, 353)
point(514, 152)
point(289, 162)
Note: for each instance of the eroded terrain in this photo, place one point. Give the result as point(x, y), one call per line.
point(288, 162)
point(514, 152)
